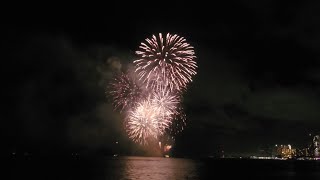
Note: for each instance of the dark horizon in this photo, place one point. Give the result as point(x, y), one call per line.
point(257, 85)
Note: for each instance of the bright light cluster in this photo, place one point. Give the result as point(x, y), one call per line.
point(150, 97)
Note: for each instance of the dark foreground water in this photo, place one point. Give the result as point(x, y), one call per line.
point(159, 168)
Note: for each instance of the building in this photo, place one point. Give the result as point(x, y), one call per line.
point(316, 146)
point(284, 151)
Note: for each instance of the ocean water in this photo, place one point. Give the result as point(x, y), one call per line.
point(159, 168)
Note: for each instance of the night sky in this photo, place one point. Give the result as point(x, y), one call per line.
point(258, 81)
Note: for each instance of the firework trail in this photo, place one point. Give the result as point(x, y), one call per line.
point(125, 91)
point(165, 61)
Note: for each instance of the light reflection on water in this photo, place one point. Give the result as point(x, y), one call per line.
point(102, 168)
point(175, 168)
point(155, 168)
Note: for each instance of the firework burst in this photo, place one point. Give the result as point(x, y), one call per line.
point(142, 123)
point(152, 116)
point(125, 91)
point(166, 61)
point(165, 101)
point(151, 92)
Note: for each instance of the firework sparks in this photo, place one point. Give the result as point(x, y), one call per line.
point(178, 122)
point(165, 101)
point(164, 67)
point(125, 91)
point(143, 123)
point(152, 116)
point(166, 61)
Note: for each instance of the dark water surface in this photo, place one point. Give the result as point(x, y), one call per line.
point(159, 168)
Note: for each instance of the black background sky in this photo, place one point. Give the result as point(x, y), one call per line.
point(257, 83)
